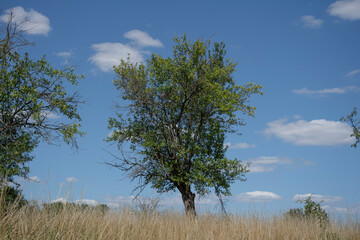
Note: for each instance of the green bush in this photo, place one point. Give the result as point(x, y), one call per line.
point(11, 197)
point(312, 210)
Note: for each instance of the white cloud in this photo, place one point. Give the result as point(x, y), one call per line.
point(34, 179)
point(142, 39)
point(353, 73)
point(87, 201)
point(318, 198)
point(348, 210)
point(256, 196)
point(79, 201)
point(65, 54)
point(345, 9)
point(311, 22)
point(326, 91)
point(71, 179)
point(49, 115)
point(109, 54)
point(62, 200)
point(30, 21)
point(119, 201)
point(239, 145)
point(267, 164)
point(319, 132)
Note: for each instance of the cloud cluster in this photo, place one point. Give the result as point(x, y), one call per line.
point(311, 22)
point(318, 132)
point(256, 196)
point(345, 9)
point(108, 54)
point(326, 91)
point(32, 22)
point(267, 164)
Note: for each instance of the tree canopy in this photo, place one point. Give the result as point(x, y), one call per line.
point(34, 104)
point(176, 112)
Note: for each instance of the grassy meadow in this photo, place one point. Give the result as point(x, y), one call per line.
point(71, 222)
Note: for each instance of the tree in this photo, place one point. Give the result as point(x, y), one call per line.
point(311, 211)
point(179, 110)
point(34, 104)
point(355, 124)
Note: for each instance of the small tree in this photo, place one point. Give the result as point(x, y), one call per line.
point(32, 100)
point(179, 110)
point(355, 124)
point(312, 210)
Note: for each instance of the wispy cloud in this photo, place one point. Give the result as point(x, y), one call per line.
point(32, 22)
point(267, 164)
point(256, 196)
point(239, 145)
point(326, 91)
point(311, 22)
point(109, 54)
point(339, 209)
point(318, 198)
point(318, 132)
point(142, 39)
point(65, 55)
point(71, 179)
point(345, 9)
point(353, 73)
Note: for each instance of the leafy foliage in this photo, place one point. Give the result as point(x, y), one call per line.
point(33, 99)
point(179, 110)
point(355, 124)
point(312, 210)
point(11, 197)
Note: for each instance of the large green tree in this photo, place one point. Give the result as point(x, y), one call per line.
point(34, 104)
point(176, 112)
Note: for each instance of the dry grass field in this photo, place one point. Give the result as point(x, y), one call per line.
point(125, 223)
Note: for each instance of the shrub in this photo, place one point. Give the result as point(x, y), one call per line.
point(11, 197)
point(312, 210)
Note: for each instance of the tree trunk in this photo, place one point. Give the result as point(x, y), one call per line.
point(189, 200)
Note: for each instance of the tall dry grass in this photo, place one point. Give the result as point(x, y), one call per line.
point(125, 223)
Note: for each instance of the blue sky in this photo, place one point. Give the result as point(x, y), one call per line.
point(304, 53)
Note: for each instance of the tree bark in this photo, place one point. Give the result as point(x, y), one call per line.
point(188, 199)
